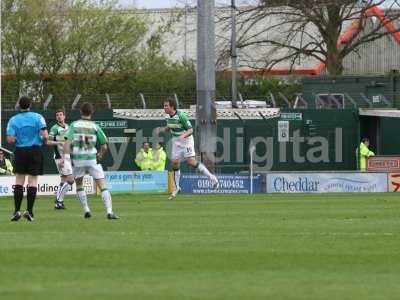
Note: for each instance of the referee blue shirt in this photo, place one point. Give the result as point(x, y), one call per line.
point(26, 127)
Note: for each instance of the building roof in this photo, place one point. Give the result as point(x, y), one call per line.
point(319, 67)
point(389, 113)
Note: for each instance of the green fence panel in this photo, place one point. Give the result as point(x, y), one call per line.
point(319, 140)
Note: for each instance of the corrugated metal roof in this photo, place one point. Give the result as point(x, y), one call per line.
point(222, 114)
point(390, 113)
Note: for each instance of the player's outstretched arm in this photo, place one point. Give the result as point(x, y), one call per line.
point(159, 130)
point(49, 142)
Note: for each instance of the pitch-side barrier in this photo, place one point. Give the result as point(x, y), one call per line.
point(243, 183)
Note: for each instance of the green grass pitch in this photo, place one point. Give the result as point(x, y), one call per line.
point(335, 246)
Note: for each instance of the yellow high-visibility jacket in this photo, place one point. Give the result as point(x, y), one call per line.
point(159, 159)
point(6, 168)
point(362, 153)
point(144, 160)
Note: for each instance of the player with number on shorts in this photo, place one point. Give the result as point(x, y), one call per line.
point(181, 130)
point(82, 138)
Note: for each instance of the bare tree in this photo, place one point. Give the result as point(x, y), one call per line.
point(273, 32)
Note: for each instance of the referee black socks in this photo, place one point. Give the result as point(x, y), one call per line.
point(18, 195)
point(31, 196)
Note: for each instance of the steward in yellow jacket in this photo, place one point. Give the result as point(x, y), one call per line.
point(159, 158)
point(144, 158)
point(6, 168)
point(362, 153)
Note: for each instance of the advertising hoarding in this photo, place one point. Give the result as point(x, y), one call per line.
point(228, 184)
point(326, 182)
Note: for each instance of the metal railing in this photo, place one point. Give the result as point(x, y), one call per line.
point(315, 100)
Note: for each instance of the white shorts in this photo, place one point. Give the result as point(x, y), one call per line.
point(88, 167)
point(182, 148)
point(64, 170)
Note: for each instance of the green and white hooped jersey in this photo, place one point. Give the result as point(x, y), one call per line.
point(57, 134)
point(178, 123)
point(84, 135)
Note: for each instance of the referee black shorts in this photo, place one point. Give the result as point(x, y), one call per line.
point(28, 160)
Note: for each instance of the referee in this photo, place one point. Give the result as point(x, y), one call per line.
point(28, 131)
